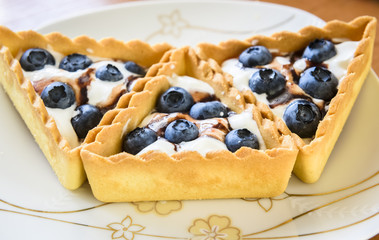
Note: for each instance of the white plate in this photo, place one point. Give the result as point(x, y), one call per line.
point(343, 204)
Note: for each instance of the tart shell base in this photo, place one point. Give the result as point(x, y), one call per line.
point(248, 173)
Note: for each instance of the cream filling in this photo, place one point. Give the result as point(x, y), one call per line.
point(160, 145)
point(62, 117)
point(50, 71)
point(98, 92)
point(241, 75)
point(245, 120)
point(190, 84)
point(300, 65)
point(337, 65)
point(203, 144)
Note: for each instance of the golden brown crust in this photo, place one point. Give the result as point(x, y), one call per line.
point(118, 176)
point(65, 160)
point(312, 157)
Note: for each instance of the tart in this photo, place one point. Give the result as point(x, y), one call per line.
point(306, 82)
point(64, 87)
point(186, 133)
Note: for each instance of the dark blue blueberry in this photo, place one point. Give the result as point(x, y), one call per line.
point(109, 73)
point(74, 62)
point(319, 83)
point(58, 95)
point(319, 50)
point(268, 81)
point(36, 59)
point(138, 139)
point(238, 138)
point(255, 56)
point(135, 68)
point(181, 130)
point(205, 110)
point(175, 99)
point(87, 118)
point(302, 117)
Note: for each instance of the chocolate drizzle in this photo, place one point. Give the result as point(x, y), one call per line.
point(130, 80)
point(203, 97)
point(83, 82)
point(40, 85)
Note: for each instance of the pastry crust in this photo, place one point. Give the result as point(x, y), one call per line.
point(117, 176)
point(312, 157)
point(65, 160)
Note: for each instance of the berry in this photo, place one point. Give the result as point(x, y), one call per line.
point(238, 138)
point(87, 118)
point(74, 62)
point(255, 56)
point(205, 110)
point(175, 99)
point(319, 50)
point(319, 83)
point(109, 73)
point(36, 59)
point(58, 95)
point(181, 130)
point(138, 139)
point(135, 68)
point(302, 117)
point(268, 81)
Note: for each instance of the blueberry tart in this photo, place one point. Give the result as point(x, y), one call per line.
point(310, 83)
point(62, 88)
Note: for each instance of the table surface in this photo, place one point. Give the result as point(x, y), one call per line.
point(23, 15)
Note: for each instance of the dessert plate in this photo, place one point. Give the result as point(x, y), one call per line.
point(344, 203)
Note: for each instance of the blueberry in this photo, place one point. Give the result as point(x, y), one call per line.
point(36, 59)
point(175, 99)
point(109, 73)
point(319, 83)
point(205, 110)
point(181, 130)
point(87, 118)
point(268, 81)
point(135, 68)
point(74, 62)
point(138, 139)
point(302, 117)
point(238, 138)
point(319, 50)
point(58, 95)
point(255, 56)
